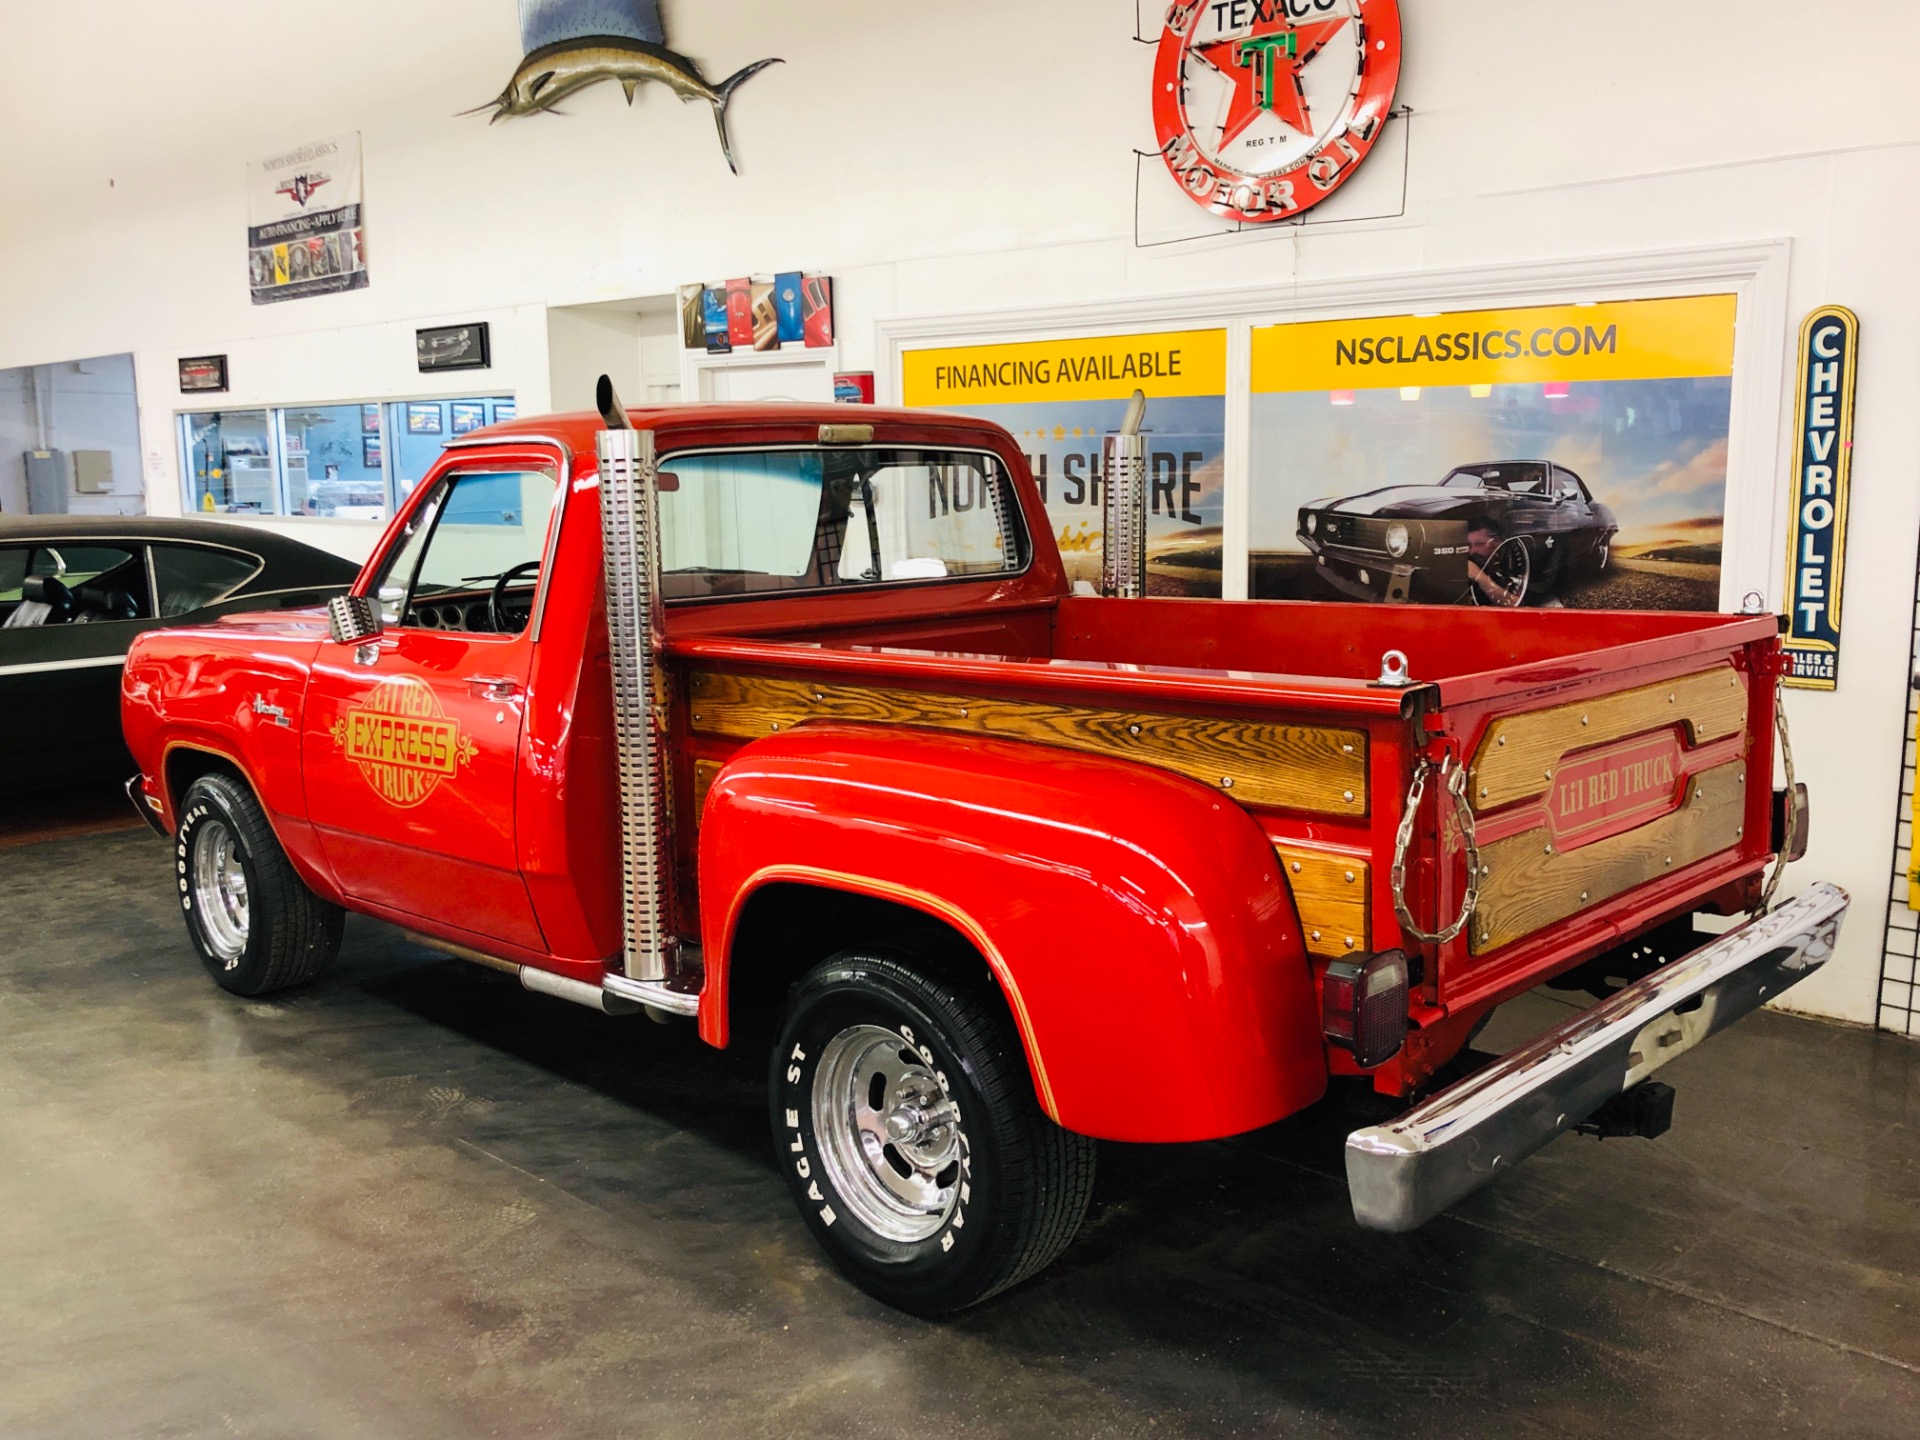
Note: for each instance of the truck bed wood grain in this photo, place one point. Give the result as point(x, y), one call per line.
point(1320, 769)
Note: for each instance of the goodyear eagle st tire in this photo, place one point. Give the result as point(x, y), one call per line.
point(906, 1124)
point(256, 926)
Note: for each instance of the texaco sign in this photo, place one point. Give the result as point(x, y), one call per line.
point(1264, 108)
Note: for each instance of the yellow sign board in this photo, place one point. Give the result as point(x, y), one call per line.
point(1913, 859)
point(1105, 367)
point(1620, 340)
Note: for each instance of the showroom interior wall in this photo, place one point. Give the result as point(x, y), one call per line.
point(943, 160)
point(73, 405)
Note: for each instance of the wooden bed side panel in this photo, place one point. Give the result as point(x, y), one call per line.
point(1313, 768)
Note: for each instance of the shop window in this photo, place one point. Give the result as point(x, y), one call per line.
point(421, 428)
point(336, 462)
point(333, 461)
point(230, 463)
point(1547, 456)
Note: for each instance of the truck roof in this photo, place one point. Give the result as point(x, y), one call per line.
point(710, 423)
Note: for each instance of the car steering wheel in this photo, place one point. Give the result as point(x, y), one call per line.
point(496, 597)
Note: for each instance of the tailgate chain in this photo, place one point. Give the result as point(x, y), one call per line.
point(1786, 831)
point(1463, 814)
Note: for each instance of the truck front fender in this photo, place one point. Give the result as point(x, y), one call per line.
point(1136, 922)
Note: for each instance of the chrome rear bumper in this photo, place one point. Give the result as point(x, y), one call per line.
point(1403, 1174)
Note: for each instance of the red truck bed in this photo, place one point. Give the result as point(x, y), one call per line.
point(1667, 742)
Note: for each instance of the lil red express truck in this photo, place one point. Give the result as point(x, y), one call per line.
point(787, 719)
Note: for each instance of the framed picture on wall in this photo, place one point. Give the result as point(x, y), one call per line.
point(203, 373)
point(369, 419)
point(423, 418)
point(503, 410)
point(467, 415)
point(370, 451)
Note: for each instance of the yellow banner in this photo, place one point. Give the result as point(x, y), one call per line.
point(1106, 367)
point(1621, 340)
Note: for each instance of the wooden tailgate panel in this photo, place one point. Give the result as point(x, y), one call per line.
point(1582, 802)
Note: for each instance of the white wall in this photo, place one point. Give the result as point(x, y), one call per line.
point(82, 405)
point(945, 158)
point(373, 361)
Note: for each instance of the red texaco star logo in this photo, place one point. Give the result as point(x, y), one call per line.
point(1266, 107)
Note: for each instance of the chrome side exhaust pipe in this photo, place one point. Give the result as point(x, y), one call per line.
point(594, 997)
point(630, 532)
point(1123, 515)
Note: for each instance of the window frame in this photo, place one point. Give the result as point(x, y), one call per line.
point(449, 475)
point(1015, 514)
point(183, 430)
point(258, 563)
point(392, 425)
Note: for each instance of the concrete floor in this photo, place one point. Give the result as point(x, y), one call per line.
point(413, 1200)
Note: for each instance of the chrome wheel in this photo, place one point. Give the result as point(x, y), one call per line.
point(1510, 569)
point(889, 1134)
point(220, 892)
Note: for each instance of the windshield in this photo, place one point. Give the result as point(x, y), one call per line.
point(1520, 477)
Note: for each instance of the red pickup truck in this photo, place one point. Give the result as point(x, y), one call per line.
point(787, 719)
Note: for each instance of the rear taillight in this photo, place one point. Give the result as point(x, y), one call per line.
point(1790, 822)
point(1363, 1006)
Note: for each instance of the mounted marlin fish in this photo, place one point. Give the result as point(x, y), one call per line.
point(571, 44)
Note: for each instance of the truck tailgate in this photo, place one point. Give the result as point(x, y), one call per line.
point(1603, 800)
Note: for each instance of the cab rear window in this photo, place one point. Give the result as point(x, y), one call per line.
point(740, 522)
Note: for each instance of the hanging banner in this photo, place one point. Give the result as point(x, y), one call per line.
point(304, 222)
point(1543, 456)
point(1822, 464)
point(1062, 398)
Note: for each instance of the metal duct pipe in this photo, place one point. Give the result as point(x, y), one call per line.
point(1123, 563)
point(630, 535)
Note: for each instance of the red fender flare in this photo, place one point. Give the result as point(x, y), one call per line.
point(1137, 922)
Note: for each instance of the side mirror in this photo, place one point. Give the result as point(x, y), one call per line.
point(352, 619)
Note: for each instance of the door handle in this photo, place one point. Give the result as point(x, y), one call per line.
point(493, 687)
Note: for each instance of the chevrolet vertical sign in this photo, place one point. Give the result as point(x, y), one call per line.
point(1823, 460)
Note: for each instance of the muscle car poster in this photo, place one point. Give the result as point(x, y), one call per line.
point(1062, 398)
point(1571, 455)
point(304, 222)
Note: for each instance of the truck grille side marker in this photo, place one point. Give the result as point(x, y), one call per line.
point(629, 517)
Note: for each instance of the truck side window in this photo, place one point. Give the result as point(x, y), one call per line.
point(753, 521)
point(470, 558)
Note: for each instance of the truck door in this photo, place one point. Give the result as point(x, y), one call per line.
point(411, 742)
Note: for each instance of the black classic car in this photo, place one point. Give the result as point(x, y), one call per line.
point(75, 590)
point(1499, 532)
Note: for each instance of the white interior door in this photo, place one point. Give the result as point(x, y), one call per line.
point(808, 381)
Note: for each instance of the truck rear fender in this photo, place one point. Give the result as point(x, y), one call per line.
point(1135, 921)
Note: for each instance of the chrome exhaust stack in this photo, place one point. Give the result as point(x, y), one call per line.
point(1123, 561)
point(630, 532)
